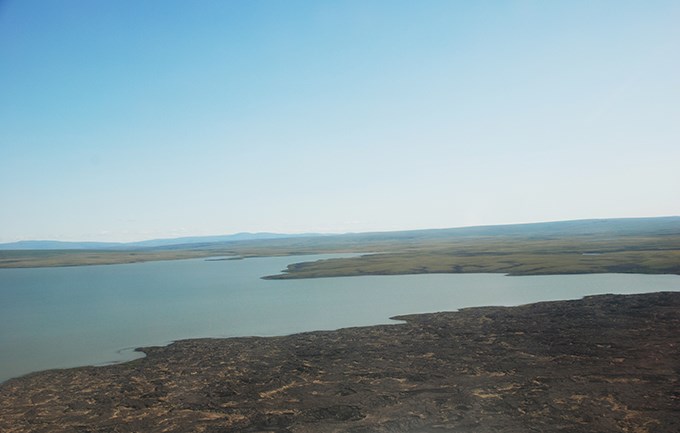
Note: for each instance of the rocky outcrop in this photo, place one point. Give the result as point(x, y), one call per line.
point(605, 363)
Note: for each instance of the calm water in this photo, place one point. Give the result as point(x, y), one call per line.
point(64, 317)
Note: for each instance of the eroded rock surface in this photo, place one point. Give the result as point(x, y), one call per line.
point(604, 364)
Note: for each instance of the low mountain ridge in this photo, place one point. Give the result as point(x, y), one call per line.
point(152, 243)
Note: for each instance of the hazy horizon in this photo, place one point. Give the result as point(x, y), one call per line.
point(235, 234)
point(126, 121)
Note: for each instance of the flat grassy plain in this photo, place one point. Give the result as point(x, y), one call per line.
point(645, 245)
point(508, 256)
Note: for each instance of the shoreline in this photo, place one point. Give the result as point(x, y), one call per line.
point(604, 363)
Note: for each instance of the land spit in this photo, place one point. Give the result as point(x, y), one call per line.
point(606, 363)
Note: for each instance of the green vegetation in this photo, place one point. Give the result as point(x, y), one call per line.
point(650, 245)
point(52, 258)
point(508, 256)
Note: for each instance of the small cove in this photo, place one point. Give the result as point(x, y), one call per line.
point(94, 315)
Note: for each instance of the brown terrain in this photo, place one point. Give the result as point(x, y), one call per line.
point(602, 364)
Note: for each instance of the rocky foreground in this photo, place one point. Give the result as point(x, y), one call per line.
point(601, 364)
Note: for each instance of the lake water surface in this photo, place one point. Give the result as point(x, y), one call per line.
point(92, 315)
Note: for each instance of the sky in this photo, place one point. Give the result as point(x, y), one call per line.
point(126, 120)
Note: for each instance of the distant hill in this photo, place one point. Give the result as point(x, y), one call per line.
point(212, 239)
point(639, 245)
point(153, 243)
point(614, 227)
point(57, 245)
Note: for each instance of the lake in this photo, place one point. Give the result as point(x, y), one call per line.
point(94, 315)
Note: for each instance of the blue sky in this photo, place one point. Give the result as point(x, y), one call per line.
point(131, 120)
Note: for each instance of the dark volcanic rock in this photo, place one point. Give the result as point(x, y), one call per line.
point(604, 363)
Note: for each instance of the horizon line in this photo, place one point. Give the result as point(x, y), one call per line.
point(323, 233)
